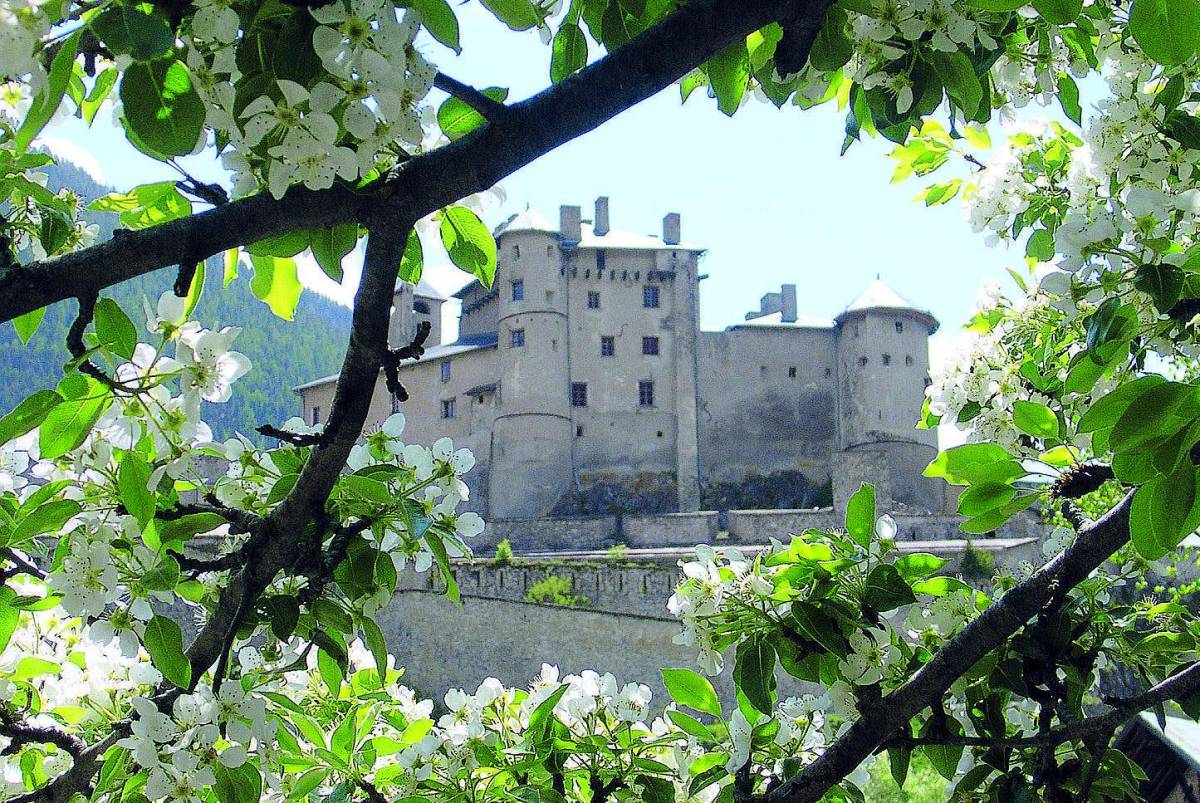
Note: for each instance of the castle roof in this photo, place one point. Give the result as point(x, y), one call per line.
point(441, 352)
point(776, 319)
point(879, 296)
point(622, 239)
point(424, 290)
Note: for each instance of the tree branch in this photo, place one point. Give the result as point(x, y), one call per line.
point(1095, 544)
point(492, 110)
point(422, 185)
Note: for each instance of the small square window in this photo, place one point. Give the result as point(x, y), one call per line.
point(608, 346)
point(908, 360)
point(650, 346)
point(899, 327)
point(645, 393)
point(516, 252)
point(862, 361)
point(517, 338)
point(887, 359)
point(316, 416)
point(447, 408)
point(601, 258)
point(650, 296)
point(518, 290)
point(579, 394)
point(579, 431)
point(593, 299)
point(791, 372)
point(446, 371)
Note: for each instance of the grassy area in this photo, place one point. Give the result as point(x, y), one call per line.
point(923, 785)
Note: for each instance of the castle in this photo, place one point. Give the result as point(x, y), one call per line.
point(581, 379)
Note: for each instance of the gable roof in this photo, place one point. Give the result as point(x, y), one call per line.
point(880, 296)
point(423, 290)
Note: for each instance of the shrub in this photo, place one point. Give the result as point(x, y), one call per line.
point(554, 589)
point(977, 564)
point(617, 552)
point(504, 553)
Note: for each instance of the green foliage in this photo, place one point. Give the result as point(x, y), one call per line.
point(976, 565)
point(923, 784)
point(504, 553)
point(555, 589)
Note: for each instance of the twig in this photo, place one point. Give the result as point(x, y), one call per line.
point(294, 438)
point(22, 733)
point(492, 110)
point(413, 351)
point(20, 565)
point(78, 349)
point(185, 277)
point(1081, 480)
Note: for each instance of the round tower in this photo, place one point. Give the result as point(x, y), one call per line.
point(883, 368)
point(531, 437)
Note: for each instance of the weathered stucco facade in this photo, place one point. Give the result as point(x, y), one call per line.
point(583, 384)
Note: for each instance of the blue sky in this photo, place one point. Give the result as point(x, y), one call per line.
point(765, 191)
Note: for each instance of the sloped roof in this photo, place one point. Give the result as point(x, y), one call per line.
point(879, 295)
point(776, 319)
point(424, 290)
point(460, 346)
point(528, 220)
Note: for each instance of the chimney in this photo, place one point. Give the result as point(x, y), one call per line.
point(671, 227)
point(568, 223)
point(787, 307)
point(600, 225)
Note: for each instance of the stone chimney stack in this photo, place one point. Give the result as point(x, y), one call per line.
point(600, 225)
point(787, 306)
point(671, 228)
point(568, 223)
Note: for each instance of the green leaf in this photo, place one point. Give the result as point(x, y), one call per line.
point(146, 205)
point(979, 499)
point(114, 329)
point(754, 673)
point(163, 577)
point(276, 283)
point(728, 75)
point(457, 119)
point(1068, 96)
point(163, 640)
point(330, 246)
point(539, 720)
point(1168, 31)
point(832, 48)
point(944, 758)
point(1164, 512)
point(66, 426)
point(1151, 417)
point(104, 84)
point(188, 526)
point(438, 18)
point(957, 74)
point(816, 625)
point(569, 51)
point(230, 268)
point(1161, 282)
point(885, 589)
point(1058, 12)
point(162, 109)
point(860, 514)
point(281, 245)
point(1040, 246)
point(1105, 411)
point(195, 291)
point(413, 260)
point(28, 414)
point(520, 15)
point(469, 243)
point(125, 30)
point(898, 759)
point(1184, 128)
point(918, 565)
point(974, 463)
point(47, 517)
point(692, 726)
point(47, 101)
point(1035, 419)
point(27, 324)
point(132, 478)
point(691, 689)
point(377, 644)
point(998, 5)
point(242, 784)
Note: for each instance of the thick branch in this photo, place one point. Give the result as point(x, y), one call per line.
point(994, 626)
point(492, 110)
point(426, 183)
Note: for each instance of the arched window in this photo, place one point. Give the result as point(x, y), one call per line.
point(421, 307)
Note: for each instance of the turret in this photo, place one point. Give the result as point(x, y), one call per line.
point(531, 448)
point(412, 305)
point(883, 367)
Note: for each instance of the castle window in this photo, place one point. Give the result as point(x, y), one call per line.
point(645, 393)
point(608, 345)
point(447, 408)
point(908, 360)
point(899, 327)
point(887, 359)
point(650, 296)
point(579, 431)
point(828, 372)
point(791, 372)
point(549, 250)
point(445, 370)
point(579, 394)
point(601, 258)
point(650, 346)
point(516, 252)
point(517, 338)
point(862, 361)
point(316, 416)
point(593, 299)
point(518, 290)
point(421, 307)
